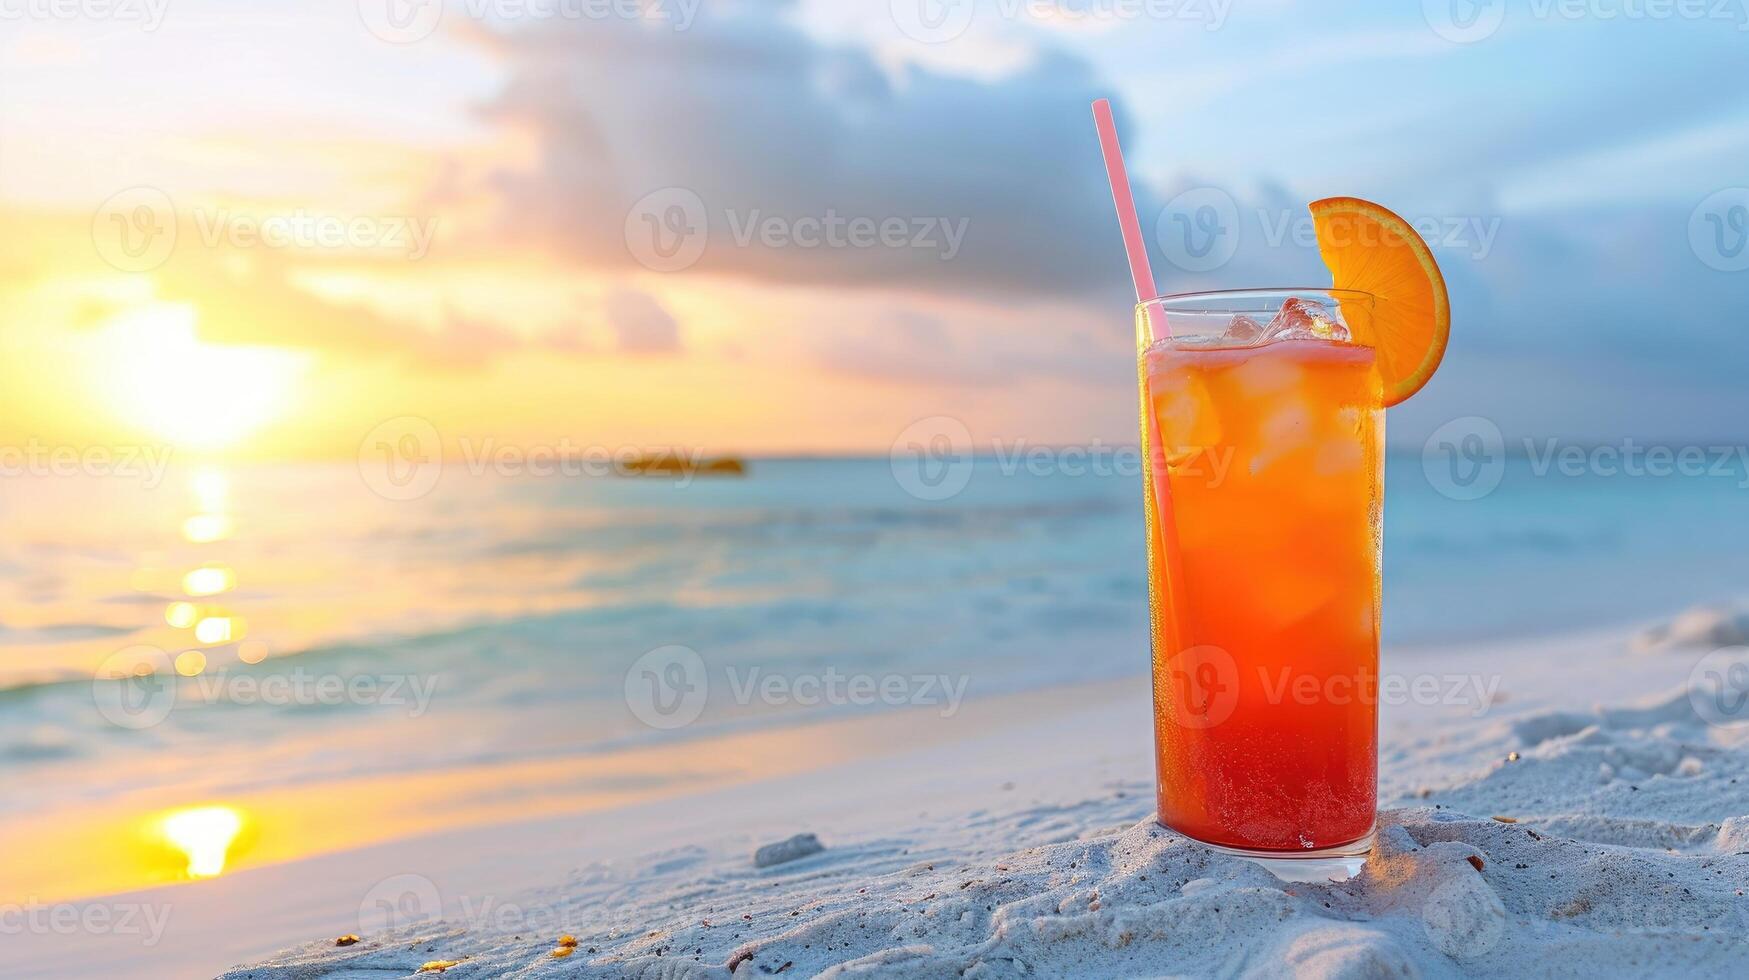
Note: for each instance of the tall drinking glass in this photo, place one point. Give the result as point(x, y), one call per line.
point(1263, 427)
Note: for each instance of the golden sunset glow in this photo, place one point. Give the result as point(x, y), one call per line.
point(205, 835)
point(210, 580)
point(211, 489)
point(154, 370)
point(181, 615)
point(218, 629)
point(206, 528)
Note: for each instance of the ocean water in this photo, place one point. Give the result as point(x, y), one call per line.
point(515, 617)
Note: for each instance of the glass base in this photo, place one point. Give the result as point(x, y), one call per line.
point(1338, 863)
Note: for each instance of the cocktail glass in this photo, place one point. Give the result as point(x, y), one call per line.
point(1263, 427)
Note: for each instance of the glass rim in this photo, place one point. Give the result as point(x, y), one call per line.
point(1177, 301)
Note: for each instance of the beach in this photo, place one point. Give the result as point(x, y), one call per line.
point(951, 696)
point(1548, 831)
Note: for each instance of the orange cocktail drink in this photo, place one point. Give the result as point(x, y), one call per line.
point(1264, 428)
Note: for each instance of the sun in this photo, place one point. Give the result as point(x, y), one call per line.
point(156, 372)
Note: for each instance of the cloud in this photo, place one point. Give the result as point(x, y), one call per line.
point(640, 324)
point(255, 302)
point(776, 133)
point(261, 302)
point(905, 347)
point(978, 348)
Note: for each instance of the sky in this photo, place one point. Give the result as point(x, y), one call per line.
point(264, 229)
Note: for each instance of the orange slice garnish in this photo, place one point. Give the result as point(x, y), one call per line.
point(1369, 248)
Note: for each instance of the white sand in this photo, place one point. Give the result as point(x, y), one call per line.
point(1022, 844)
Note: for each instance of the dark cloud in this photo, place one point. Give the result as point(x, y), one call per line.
point(762, 122)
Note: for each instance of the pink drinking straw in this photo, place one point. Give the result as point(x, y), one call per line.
point(1133, 244)
point(1137, 249)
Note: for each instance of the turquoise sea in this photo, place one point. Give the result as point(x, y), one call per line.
point(511, 613)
